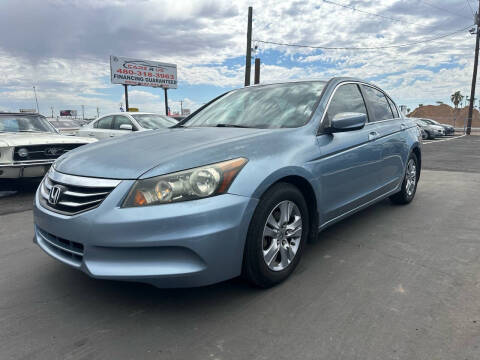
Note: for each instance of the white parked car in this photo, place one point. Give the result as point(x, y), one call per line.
point(123, 123)
point(29, 144)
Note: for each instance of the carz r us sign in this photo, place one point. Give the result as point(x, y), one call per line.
point(127, 71)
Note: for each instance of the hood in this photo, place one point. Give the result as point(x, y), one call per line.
point(24, 139)
point(152, 153)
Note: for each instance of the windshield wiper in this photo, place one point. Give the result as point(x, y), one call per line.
point(232, 125)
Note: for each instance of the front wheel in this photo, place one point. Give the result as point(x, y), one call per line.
point(409, 184)
point(276, 236)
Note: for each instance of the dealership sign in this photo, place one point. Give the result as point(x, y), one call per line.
point(128, 71)
point(68, 112)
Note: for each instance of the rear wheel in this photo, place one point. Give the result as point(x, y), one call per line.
point(409, 184)
point(276, 236)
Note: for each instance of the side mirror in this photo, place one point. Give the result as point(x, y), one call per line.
point(128, 127)
point(347, 121)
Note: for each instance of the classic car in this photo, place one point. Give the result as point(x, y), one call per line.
point(29, 144)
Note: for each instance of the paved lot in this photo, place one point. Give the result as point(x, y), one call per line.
point(389, 283)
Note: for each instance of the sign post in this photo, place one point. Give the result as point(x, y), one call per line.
point(126, 98)
point(166, 100)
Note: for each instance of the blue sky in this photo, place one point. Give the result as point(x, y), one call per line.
point(63, 46)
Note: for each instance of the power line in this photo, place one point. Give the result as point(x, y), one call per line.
point(443, 9)
point(470, 6)
point(372, 13)
point(365, 48)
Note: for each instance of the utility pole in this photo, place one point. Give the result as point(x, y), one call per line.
point(474, 77)
point(83, 112)
point(248, 59)
point(98, 112)
point(36, 100)
point(257, 71)
point(181, 107)
point(51, 107)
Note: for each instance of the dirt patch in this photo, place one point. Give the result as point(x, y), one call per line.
point(446, 114)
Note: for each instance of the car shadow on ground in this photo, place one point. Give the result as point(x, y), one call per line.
point(17, 197)
point(132, 295)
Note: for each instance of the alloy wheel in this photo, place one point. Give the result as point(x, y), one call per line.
point(411, 177)
point(282, 234)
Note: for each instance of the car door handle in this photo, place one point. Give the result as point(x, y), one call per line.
point(91, 134)
point(111, 135)
point(373, 135)
point(403, 126)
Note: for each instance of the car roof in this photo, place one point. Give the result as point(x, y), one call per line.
point(336, 79)
point(132, 113)
point(19, 113)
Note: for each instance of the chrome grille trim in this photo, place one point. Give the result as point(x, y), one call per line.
point(79, 193)
point(82, 181)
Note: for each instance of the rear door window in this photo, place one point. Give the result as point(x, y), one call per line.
point(104, 123)
point(378, 103)
point(347, 98)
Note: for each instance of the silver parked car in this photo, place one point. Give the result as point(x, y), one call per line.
point(122, 123)
point(449, 129)
point(432, 131)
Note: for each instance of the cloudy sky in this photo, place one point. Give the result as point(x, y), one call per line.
point(62, 47)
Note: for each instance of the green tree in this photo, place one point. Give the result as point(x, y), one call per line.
point(456, 98)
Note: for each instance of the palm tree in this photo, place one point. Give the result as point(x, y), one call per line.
point(456, 98)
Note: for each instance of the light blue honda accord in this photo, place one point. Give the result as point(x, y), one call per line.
point(236, 188)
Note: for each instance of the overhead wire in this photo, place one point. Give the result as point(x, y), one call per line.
point(470, 6)
point(366, 47)
point(373, 14)
point(443, 9)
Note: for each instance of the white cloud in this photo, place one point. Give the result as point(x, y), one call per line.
point(66, 56)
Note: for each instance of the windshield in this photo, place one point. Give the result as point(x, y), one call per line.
point(25, 123)
point(421, 122)
point(154, 121)
point(274, 106)
point(64, 124)
point(431, 122)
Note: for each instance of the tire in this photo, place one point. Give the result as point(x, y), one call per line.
point(408, 190)
point(430, 136)
point(282, 248)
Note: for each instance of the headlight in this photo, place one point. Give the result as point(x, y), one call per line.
point(23, 152)
point(197, 183)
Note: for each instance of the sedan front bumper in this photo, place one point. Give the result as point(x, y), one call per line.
point(184, 244)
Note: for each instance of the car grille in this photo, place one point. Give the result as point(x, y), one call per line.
point(69, 251)
point(43, 152)
point(75, 194)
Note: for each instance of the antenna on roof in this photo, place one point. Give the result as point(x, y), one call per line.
point(36, 100)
